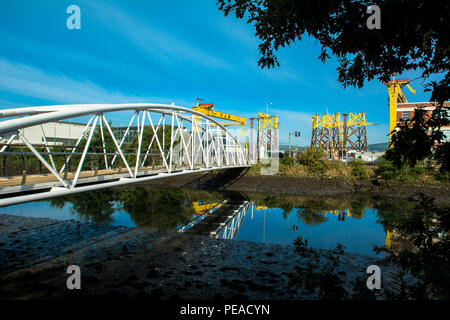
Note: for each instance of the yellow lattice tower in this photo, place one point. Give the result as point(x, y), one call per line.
point(267, 121)
point(337, 212)
point(201, 208)
point(315, 130)
point(267, 126)
point(356, 129)
point(332, 134)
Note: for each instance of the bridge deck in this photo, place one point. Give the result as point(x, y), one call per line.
point(30, 179)
point(13, 192)
point(31, 182)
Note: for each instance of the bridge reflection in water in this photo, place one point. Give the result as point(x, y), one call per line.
point(220, 220)
point(357, 224)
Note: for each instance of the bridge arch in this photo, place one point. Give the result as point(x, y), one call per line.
point(168, 140)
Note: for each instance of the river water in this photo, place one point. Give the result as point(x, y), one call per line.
point(358, 224)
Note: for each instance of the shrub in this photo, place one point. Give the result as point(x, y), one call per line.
point(314, 160)
point(418, 170)
point(444, 177)
point(386, 169)
point(359, 169)
point(319, 276)
point(442, 156)
point(287, 161)
point(415, 139)
point(408, 175)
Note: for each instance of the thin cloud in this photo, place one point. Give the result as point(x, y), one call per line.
point(32, 82)
point(163, 45)
point(283, 75)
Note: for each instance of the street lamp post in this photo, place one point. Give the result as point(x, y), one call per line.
point(267, 107)
point(296, 134)
point(290, 133)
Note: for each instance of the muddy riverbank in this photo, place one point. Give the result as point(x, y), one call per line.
point(126, 262)
point(129, 263)
point(237, 180)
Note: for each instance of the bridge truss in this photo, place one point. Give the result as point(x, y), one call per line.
point(168, 140)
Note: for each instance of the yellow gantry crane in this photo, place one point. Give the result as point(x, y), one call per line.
point(208, 109)
point(396, 95)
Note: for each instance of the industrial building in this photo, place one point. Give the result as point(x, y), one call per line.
point(63, 133)
point(405, 111)
point(366, 156)
point(58, 133)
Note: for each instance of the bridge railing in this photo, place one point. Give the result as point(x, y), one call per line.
point(165, 138)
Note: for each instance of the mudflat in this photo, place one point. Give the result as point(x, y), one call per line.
point(305, 186)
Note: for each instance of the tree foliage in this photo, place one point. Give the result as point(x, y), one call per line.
point(314, 160)
point(153, 208)
point(442, 156)
point(413, 35)
point(319, 274)
point(426, 227)
point(415, 138)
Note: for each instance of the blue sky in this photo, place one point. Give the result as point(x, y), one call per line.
point(171, 51)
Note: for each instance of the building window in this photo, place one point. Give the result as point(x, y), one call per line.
point(405, 115)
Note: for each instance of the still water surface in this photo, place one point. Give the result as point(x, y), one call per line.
point(269, 219)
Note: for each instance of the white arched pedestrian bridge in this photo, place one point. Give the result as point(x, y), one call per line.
point(159, 141)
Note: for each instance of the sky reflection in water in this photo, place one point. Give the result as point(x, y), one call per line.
point(155, 209)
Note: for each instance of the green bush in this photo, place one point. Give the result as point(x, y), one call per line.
point(386, 169)
point(442, 156)
point(319, 275)
point(418, 170)
point(287, 161)
point(408, 175)
point(314, 160)
point(359, 169)
point(339, 166)
point(444, 177)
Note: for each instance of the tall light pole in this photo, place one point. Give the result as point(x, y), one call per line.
point(267, 107)
point(290, 133)
point(296, 134)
